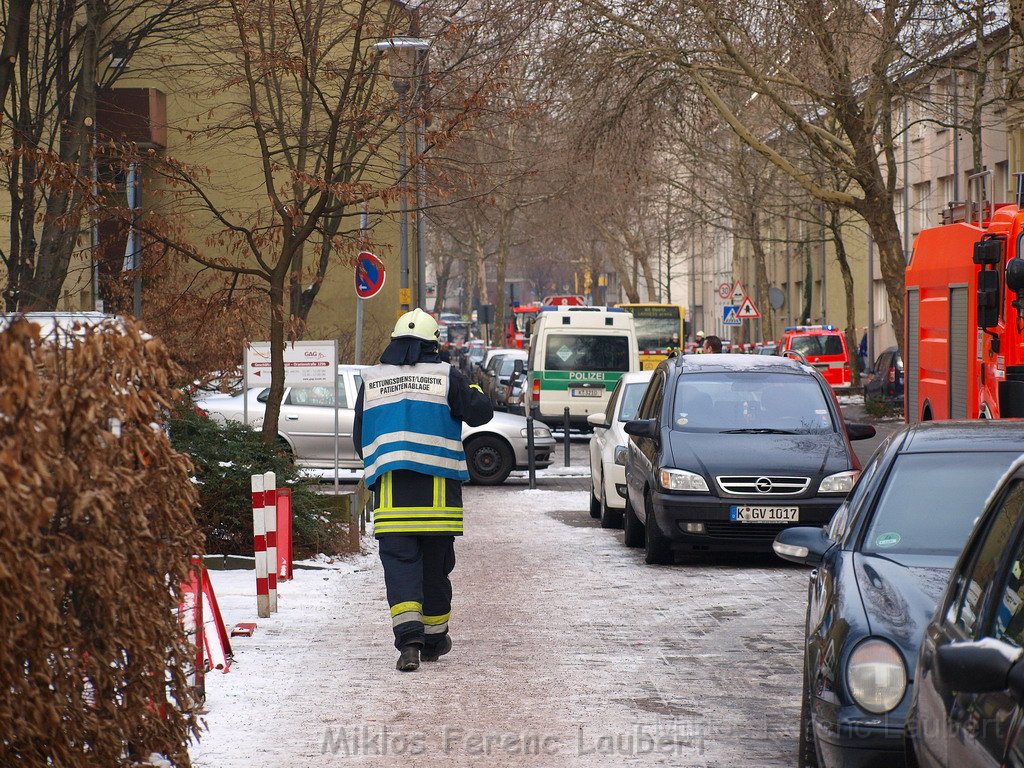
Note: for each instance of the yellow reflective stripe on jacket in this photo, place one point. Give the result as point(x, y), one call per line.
point(409, 605)
point(454, 525)
point(439, 518)
point(390, 527)
point(416, 514)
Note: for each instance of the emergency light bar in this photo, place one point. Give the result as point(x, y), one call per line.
point(809, 328)
point(573, 308)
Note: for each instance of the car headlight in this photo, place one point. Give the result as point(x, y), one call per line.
point(681, 480)
point(620, 455)
point(877, 676)
point(840, 482)
point(538, 431)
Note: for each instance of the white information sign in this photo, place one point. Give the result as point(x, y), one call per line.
point(305, 362)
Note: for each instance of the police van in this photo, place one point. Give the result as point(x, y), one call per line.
point(577, 356)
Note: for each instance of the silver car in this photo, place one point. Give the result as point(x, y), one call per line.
point(306, 427)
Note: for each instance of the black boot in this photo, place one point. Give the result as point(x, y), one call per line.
point(433, 653)
point(409, 660)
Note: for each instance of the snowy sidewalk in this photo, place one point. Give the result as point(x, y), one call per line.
point(568, 651)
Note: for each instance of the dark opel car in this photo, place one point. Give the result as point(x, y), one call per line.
point(967, 707)
point(879, 568)
point(727, 450)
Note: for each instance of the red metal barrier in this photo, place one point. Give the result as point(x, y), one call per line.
point(284, 534)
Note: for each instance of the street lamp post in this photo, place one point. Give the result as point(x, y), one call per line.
point(403, 67)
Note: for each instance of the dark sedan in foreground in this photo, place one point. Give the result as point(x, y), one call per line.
point(967, 707)
point(727, 450)
point(879, 569)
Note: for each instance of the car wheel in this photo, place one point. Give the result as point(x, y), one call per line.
point(633, 529)
point(657, 545)
point(807, 753)
point(610, 518)
point(489, 460)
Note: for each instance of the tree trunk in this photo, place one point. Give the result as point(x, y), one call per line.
point(760, 274)
point(805, 310)
point(852, 342)
point(272, 415)
point(17, 32)
point(63, 208)
point(500, 298)
point(443, 275)
point(650, 279)
point(881, 221)
point(978, 102)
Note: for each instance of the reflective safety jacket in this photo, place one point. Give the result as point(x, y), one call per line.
point(408, 429)
point(408, 424)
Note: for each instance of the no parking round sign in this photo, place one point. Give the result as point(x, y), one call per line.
point(369, 275)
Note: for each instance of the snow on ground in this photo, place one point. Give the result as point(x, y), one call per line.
point(568, 651)
point(557, 470)
point(344, 475)
point(850, 399)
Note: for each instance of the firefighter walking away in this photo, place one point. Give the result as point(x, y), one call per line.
point(408, 430)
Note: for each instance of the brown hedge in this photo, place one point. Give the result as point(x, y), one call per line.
point(96, 533)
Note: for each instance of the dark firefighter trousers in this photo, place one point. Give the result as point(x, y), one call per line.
point(416, 570)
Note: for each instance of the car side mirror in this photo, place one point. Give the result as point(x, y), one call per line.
point(642, 428)
point(857, 431)
point(982, 666)
point(519, 366)
point(597, 420)
point(803, 544)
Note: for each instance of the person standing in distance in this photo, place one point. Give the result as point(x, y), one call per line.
point(408, 431)
point(712, 345)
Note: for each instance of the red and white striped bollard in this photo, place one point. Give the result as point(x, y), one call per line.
point(259, 542)
point(270, 522)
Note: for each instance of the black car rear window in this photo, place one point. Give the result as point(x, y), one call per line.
point(583, 352)
point(931, 501)
point(817, 346)
point(750, 402)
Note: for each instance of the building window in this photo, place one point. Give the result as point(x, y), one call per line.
point(898, 209)
point(920, 204)
point(945, 190)
point(945, 108)
point(881, 301)
point(1001, 183)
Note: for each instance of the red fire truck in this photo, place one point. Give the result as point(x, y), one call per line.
point(520, 326)
point(964, 308)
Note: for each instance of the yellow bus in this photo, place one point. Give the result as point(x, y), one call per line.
point(659, 330)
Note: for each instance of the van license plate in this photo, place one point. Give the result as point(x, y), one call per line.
point(764, 514)
point(587, 392)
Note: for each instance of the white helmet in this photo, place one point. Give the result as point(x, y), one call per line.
point(700, 334)
point(416, 324)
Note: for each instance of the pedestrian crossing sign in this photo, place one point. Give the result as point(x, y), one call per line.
point(730, 315)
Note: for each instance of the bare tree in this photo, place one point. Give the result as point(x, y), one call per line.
point(824, 73)
point(63, 51)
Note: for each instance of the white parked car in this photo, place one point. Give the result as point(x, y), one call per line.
point(608, 449)
point(306, 428)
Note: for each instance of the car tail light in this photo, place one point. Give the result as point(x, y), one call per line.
point(536, 391)
point(892, 375)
